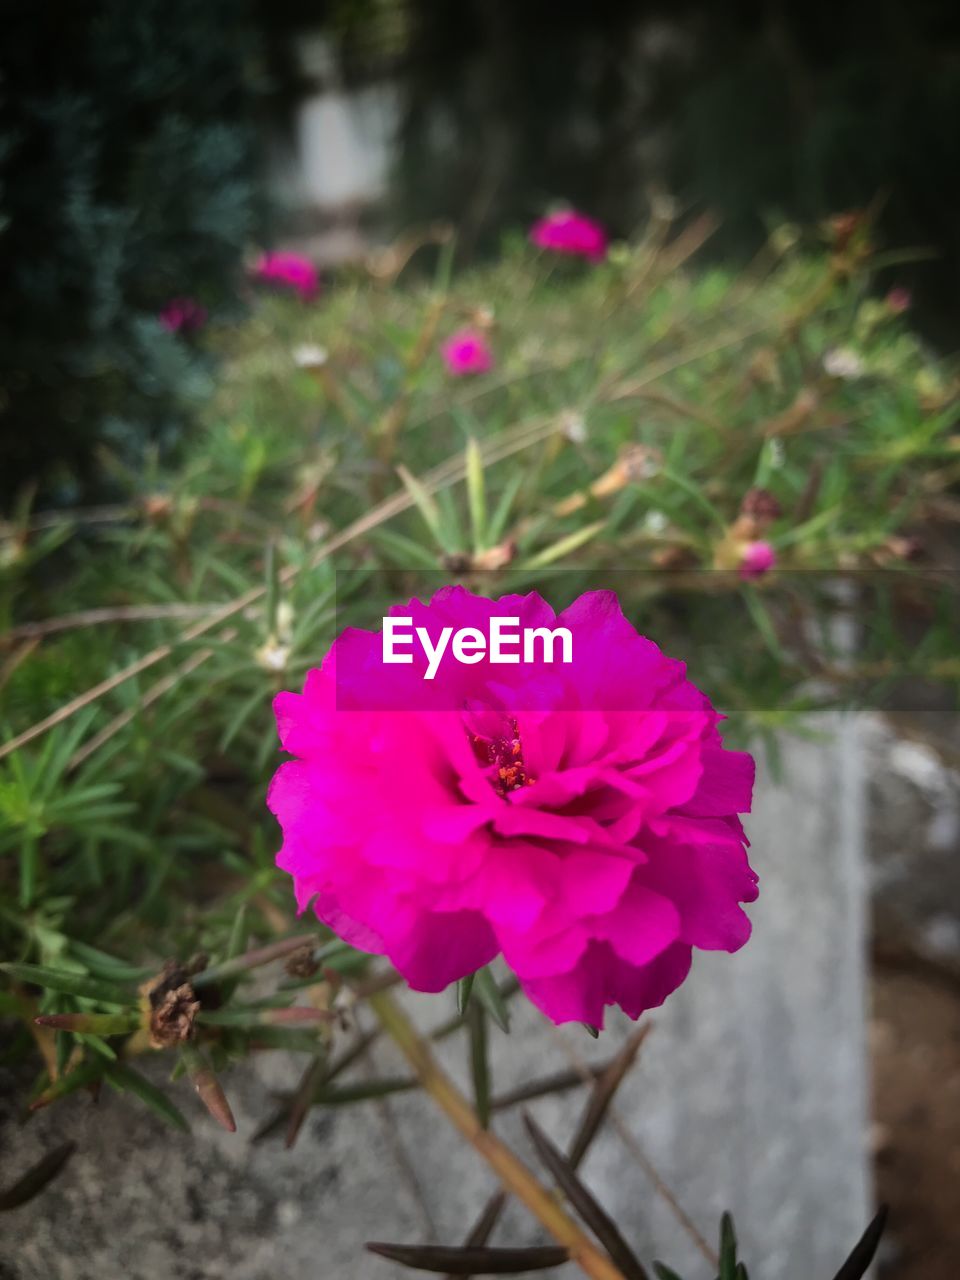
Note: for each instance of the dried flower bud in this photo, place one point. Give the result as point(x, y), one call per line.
point(497, 557)
point(157, 506)
point(636, 463)
point(761, 506)
point(173, 1017)
point(904, 547)
point(483, 317)
point(842, 228)
point(300, 963)
point(899, 300)
point(457, 562)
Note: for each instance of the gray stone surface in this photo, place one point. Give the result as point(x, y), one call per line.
point(913, 835)
point(750, 1094)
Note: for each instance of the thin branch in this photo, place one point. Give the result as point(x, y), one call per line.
point(97, 617)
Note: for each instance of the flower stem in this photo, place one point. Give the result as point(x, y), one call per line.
point(511, 1171)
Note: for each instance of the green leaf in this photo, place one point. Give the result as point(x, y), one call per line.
point(501, 514)
point(124, 1079)
point(664, 1272)
point(91, 1024)
point(476, 494)
point(363, 1091)
point(464, 989)
point(479, 1065)
point(79, 1077)
point(251, 960)
point(425, 504)
point(71, 984)
point(728, 1248)
point(565, 546)
point(106, 966)
point(488, 993)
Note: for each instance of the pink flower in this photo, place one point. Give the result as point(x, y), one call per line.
point(579, 818)
point(465, 352)
point(569, 232)
point(183, 315)
point(757, 559)
point(289, 271)
point(899, 300)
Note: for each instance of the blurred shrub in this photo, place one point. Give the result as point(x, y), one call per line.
point(768, 109)
point(126, 179)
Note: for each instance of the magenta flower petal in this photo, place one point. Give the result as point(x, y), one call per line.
point(288, 271)
point(572, 233)
point(580, 818)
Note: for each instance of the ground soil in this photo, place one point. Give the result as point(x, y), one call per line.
point(915, 1048)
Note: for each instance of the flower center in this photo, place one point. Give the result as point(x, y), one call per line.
point(501, 754)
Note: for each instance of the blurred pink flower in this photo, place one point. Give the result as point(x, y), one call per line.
point(467, 351)
point(579, 818)
point(758, 558)
point(183, 315)
point(899, 300)
point(569, 232)
point(289, 271)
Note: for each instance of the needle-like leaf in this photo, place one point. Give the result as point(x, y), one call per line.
point(71, 984)
point(479, 1066)
point(35, 1179)
point(124, 1079)
point(464, 990)
point(859, 1260)
point(251, 960)
point(491, 997)
point(596, 1217)
point(208, 1087)
point(472, 1261)
point(482, 1229)
point(603, 1093)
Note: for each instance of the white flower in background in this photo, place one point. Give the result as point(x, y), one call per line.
point(574, 426)
point(654, 522)
point(310, 355)
point(841, 362)
point(273, 656)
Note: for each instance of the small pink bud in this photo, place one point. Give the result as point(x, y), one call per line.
point(757, 559)
point(899, 300)
point(183, 315)
point(467, 352)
